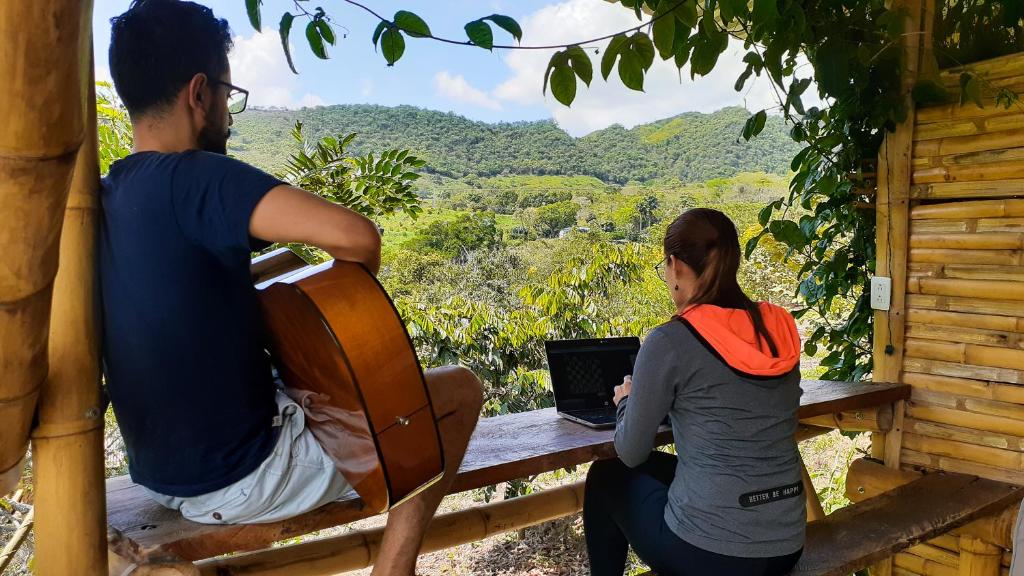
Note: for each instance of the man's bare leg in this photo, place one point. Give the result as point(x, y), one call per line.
point(457, 397)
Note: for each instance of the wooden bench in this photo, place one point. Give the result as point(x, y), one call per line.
point(861, 534)
point(503, 448)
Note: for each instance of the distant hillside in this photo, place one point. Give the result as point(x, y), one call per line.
point(691, 147)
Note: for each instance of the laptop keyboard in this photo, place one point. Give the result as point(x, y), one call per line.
point(596, 416)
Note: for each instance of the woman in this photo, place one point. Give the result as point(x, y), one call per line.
point(726, 372)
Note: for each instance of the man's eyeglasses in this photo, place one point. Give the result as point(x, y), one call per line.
point(237, 97)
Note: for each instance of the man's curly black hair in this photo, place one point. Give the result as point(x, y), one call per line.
point(157, 46)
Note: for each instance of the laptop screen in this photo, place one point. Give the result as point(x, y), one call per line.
point(584, 373)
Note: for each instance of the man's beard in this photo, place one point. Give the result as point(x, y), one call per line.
point(214, 139)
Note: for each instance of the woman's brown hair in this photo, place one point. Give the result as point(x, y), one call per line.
point(706, 240)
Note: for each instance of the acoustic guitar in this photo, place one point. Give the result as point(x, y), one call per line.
point(334, 331)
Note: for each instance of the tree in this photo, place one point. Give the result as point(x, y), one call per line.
point(548, 220)
point(457, 238)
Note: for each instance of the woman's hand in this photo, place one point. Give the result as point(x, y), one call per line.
point(622, 390)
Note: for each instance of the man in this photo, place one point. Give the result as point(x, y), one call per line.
point(205, 429)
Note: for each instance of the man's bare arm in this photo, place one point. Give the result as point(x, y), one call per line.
point(289, 214)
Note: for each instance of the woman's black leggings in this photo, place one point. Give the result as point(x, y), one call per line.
point(626, 506)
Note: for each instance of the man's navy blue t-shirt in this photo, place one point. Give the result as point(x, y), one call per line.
point(183, 341)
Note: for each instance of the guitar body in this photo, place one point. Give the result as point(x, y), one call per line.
point(334, 331)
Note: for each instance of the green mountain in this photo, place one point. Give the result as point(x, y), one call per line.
point(691, 147)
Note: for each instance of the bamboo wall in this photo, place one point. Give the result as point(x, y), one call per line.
point(963, 346)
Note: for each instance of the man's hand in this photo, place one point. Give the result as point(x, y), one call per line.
point(622, 390)
point(288, 214)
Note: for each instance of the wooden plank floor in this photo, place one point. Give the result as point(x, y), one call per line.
point(502, 448)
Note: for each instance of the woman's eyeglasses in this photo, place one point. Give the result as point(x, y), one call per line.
point(659, 268)
point(237, 97)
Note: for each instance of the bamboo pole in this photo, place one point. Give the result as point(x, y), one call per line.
point(1010, 120)
point(956, 111)
point(957, 370)
point(969, 209)
point(935, 554)
point(42, 129)
point(67, 442)
point(995, 457)
point(966, 353)
point(965, 387)
point(967, 144)
point(359, 549)
point(964, 335)
point(983, 189)
point(994, 289)
point(969, 159)
point(967, 241)
point(968, 272)
point(965, 305)
point(965, 419)
point(950, 464)
point(1002, 170)
point(979, 558)
point(994, 68)
point(869, 420)
point(1004, 324)
point(965, 435)
point(951, 256)
point(922, 566)
point(893, 216)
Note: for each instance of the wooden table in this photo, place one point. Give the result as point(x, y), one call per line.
point(503, 448)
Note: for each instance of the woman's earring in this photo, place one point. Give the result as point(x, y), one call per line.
point(677, 287)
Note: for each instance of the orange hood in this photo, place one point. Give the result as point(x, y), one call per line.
point(729, 332)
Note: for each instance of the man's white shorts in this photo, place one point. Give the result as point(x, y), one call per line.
point(298, 476)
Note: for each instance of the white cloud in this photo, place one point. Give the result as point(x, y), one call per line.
point(366, 87)
point(258, 65)
point(607, 103)
point(457, 88)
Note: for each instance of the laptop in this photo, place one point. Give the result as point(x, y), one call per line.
point(584, 374)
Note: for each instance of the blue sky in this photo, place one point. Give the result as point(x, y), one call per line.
point(498, 86)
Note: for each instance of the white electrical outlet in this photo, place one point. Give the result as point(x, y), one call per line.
point(881, 292)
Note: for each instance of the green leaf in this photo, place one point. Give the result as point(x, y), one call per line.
point(705, 56)
point(316, 43)
point(631, 70)
point(480, 34)
point(742, 80)
point(644, 48)
point(507, 24)
point(376, 33)
point(787, 232)
point(284, 29)
point(325, 31)
point(615, 46)
point(765, 12)
point(581, 64)
point(411, 24)
point(252, 7)
point(730, 9)
point(754, 125)
point(686, 13)
point(392, 45)
point(563, 84)
point(664, 30)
